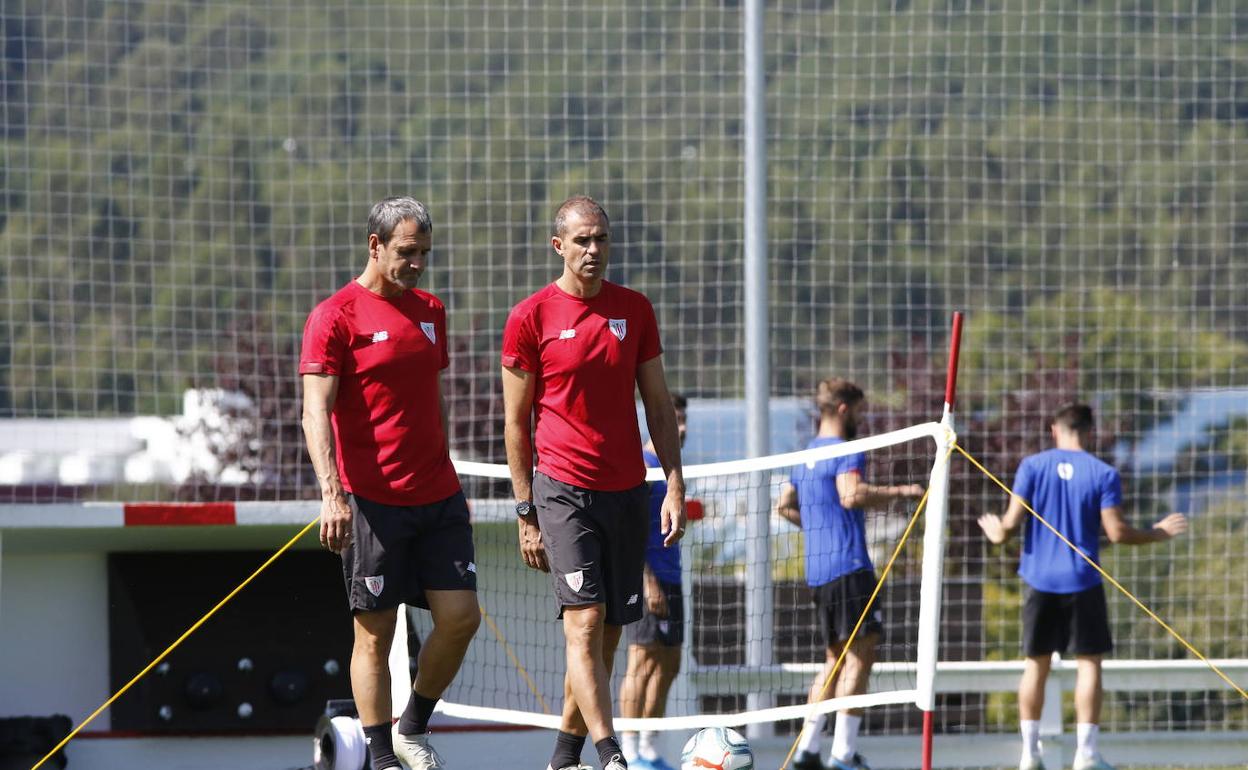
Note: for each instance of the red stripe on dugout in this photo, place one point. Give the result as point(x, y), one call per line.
point(178, 514)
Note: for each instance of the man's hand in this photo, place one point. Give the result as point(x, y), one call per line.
point(910, 490)
point(656, 600)
point(335, 522)
point(1173, 525)
point(532, 551)
point(993, 527)
point(672, 516)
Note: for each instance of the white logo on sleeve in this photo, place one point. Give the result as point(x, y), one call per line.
point(567, 334)
point(1065, 471)
point(381, 336)
point(619, 327)
point(375, 584)
point(575, 579)
point(429, 331)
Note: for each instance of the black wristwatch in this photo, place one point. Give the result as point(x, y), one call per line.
point(524, 508)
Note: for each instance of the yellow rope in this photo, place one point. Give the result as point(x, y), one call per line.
point(836, 667)
point(173, 646)
point(514, 660)
point(1108, 576)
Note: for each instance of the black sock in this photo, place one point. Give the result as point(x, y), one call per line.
point(380, 747)
point(415, 719)
point(567, 750)
point(608, 750)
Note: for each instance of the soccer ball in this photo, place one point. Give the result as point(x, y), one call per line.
point(717, 748)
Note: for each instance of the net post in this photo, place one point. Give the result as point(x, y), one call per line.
point(758, 587)
point(934, 551)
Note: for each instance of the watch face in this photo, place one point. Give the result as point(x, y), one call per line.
point(524, 508)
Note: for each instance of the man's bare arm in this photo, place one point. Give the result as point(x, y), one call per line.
point(787, 506)
point(1119, 531)
point(319, 394)
point(856, 493)
point(665, 436)
point(518, 392)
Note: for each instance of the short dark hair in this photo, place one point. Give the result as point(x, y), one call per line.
point(679, 402)
point(387, 213)
point(578, 204)
point(1074, 416)
point(833, 392)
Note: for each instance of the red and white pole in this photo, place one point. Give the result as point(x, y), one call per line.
point(936, 521)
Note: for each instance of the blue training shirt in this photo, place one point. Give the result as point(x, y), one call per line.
point(1069, 489)
point(664, 562)
point(836, 537)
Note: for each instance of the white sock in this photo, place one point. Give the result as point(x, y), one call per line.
point(1030, 728)
point(1086, 733)
point(845, 736)
point(645, 746)
point(812, 734)
point(628, 745)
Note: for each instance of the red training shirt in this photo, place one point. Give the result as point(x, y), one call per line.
point(584, 354)
point(387, 354)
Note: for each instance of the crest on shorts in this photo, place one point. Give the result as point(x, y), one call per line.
point(575, 579)
point(619, 327)
point(429, 331)
point(374, 584)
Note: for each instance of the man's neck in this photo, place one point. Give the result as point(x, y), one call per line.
point(830, 427)
point(373, 281)
point(1071, 442)
point(572, 284)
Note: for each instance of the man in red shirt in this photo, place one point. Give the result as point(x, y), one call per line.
point(391, 503)
point(572, 355)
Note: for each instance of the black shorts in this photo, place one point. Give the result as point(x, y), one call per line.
point(1053, 622)
point(595, 544)
point(664, 632)
point(399, 552)
point(841, 602)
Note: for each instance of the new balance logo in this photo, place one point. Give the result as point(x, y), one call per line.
point(567, 334)
point(632, 600)
point(381, 336)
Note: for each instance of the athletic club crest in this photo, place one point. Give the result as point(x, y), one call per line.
point(575, 579)
point(429, 331)
point(375, 584)
point(619, 327)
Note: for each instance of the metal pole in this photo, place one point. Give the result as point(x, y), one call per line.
point(758, 587)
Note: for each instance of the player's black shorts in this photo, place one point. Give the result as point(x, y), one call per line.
point(399, 552)
point(664, 632)
point(1053, 622)
point(595, 544)
point(840, 603)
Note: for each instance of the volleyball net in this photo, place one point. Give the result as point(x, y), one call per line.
point(749, 625)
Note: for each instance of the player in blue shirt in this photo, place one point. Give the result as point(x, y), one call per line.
point(654, 641)
point(1064, 601)
point(827, 500)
